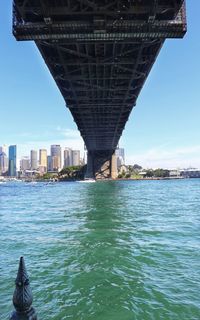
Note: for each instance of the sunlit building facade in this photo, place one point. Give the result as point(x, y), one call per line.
point(43, 159)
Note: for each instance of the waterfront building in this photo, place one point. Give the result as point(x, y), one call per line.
point(56, 152)
point(190, 173)
point(34, 162)
point(3, 162)
point(75, 157)
point(43, 159)
point(25, 164)
point(12, 165)
point(67, 157)
point(173, 173)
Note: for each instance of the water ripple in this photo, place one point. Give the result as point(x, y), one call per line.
point(104, 251)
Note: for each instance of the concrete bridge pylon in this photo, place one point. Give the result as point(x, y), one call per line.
point(101, 164)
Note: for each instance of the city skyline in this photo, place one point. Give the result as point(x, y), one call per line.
point(162, 131)
point(43, 159)
point(27, 151)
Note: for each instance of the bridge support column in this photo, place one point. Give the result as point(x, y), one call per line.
point(101, 164)
point(90, 166)
point(114, 172)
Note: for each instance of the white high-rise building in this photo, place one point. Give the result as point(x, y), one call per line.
point(25, 164)
point(3, 149)
point(120, 157)
point(3, 162)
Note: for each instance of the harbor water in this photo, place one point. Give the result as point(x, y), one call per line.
point(116, 250)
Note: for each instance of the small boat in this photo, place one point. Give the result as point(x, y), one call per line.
point(87, 180)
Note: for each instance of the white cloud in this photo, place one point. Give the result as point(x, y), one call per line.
point(64, 137)
point(68, 133)
point(168, 158)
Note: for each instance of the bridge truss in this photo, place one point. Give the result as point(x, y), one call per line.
point(100, 53)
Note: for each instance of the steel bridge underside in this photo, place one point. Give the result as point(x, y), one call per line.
point(100, 54)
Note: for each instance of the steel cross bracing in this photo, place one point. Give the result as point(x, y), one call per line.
point(100, 54)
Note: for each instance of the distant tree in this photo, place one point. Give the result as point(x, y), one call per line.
point(137, 167)
point(149, 173)
point(48, 176)
point(161, 173)
point(123, 173)
point(72, 173)
point(130, 168)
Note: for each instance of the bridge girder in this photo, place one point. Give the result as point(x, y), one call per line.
point(100, 53)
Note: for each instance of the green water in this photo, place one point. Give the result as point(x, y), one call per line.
point(103, 251)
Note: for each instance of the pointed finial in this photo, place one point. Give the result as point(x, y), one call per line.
point(22, 297)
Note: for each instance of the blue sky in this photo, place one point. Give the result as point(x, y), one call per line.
point(163, 129)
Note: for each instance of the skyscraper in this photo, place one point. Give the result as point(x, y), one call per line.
point(3, 149)
point(3, 162)
point(42, 161)
point(49, 163)
point(12, 168)
point(25, 164)
point(43, 157)
point(56, 152)
point(75, 157)
point(34, 162)
point(67, 157)
point(55, 162)
point(120, 157)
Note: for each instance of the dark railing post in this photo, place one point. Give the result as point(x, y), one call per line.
point(22, 297)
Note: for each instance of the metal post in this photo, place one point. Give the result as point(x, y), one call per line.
point(22, 297)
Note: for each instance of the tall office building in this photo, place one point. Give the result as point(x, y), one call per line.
point(3, 162)
point(49, 164)
point(120, 156)
point(12, 165)
point(42, 161)
point(25, 164)
point(55, 163)
point(56, 152)
point(43, 157)
point(67, 157)
point(75, 157)
point(34, 161)
point(3, 149)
